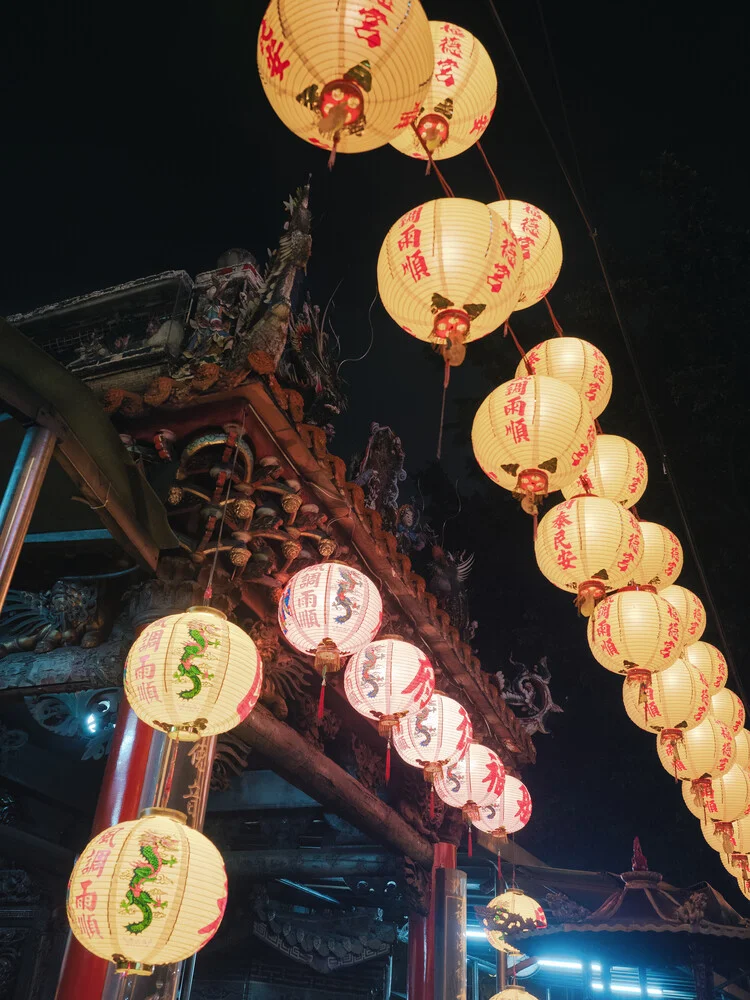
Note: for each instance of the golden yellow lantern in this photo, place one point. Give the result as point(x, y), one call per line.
point(709, 661)
point(616, 471)
point(708, 749)
point(742, 746)
point(662, 557)
point(147, 892)
point(723, 799)
point(540, 244)
point(728, 707)
point(736, 864)
point(588, 545)
point(512, 912)
point(576, 362)
point(729, 839)
point(743, 883)
point(344, 76)
point(460, 101)
point(449, 272)
point(513, 992)
point(193, 674)
point(635, 630)
point(690, 609)
point(675, 698)
point(532, 435)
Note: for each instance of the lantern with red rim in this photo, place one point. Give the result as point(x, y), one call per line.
point(476, 779)
point(435, 736)
point(509, 814)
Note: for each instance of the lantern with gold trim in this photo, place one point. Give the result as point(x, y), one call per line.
point(460, 101)
point(589, 546)
point(147, 892)
point(541, 247)
point(574, 361)
point(616, 470)
point(513, 992)
point(707, 749)
point(709, 661)
point(728, 707)
point(509, 814)
point(662, 559)
point(690, 609)
point(342, 76)
point(193, 674)
point(635, 630)
point(723, 799)
point(531, 436)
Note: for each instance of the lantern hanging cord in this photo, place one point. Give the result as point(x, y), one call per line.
point(208, 593)
point(372, 337)
point(508, 329)
point(630, 349)
point(500, 193)
point(431, 164)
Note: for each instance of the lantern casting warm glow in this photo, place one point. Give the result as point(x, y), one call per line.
point(513, 992)
point(435, 736)
point(742, 745)
point(474, 780)
point(342, 75)
point(675, 698)
point(722, 799)
point(729, 839)
point(147, 892)
point(635, 630)
point(728, 708)
point(709, 749)
point(575, 361)
point(388, 679)
point(449, 272)
point(690, 609)
point(513, 912)
point(662, 559)
point(460, 102)
point(532, 435)
point(616, 470)
point(588, 546)
point(193, 674)
point(540, 244)
point(709, 661)
point(509, 814)
point(328, 610)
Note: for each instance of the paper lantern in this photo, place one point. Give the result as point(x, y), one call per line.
point(635, 630)
point(742, 747)
point(474, 780)
point(690, 609)
point(509, 814)
point(723, 799)
point(576, 362)
point(675, 698)
point(328, 610)
point(616, 470)
point(147, 892)
point(540, 244)
point(514, 913)
point(743, 883)
point(388, 679)
point(709, 661)
point(435, 736)
point(513, 992)
point(662, 557)
point(449, 272)
point(728, 708)
point(460, 101)
point(533, 435)
point(588, 546)
point(728, 839)
point(193, 674)
point(343, 75)
point(708, 749)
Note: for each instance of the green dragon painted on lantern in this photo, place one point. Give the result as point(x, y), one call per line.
point(139, 896)
point(190, 670)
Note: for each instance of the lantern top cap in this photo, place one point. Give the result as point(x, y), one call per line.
point(205, 609)
point(174, 814)
point(390, 635)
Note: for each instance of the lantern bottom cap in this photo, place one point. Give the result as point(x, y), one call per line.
point(175, 814)
point(186, 732)
point(126, 967)
point(207, 610)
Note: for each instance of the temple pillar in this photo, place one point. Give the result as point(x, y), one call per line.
point(446, 928)
point(416, 972)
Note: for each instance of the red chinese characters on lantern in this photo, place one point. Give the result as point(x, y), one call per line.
point(444, 71)
point(524, 806)
point(705, 700)
point(709, 802)
point(604, 630)
point(673, 633)
point(629, 556)
point(422, 682)
point(416, 266)
point(94, 862)
point(88, 925)
point(108, 837)
point(494, 778)
point(271, 48)
point(640, 472)
point(369, 29)
point(727, 750)
point(450, 45)
point(480, 124)
point(408, 117)
point(652, 709)
point(498, 276)
point(410, 237)
point(86, 900)
point(464, 728)
point(518, 430)
point(411, 218)
point(671, 754)
point(565, 557)
point(674, 555)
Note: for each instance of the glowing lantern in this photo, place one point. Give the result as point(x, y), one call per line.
point(388, 679)
point(616, 471)
point(513, 992)
point(742, 745)
point(728, 708)
point(689, 608)
point(635, 630)
point(509, 814)
point(589, 546)
point(193, 674)
point(342, 76)
point(576, 362)
point(435, 736)
point(512, 912)
point(675, 698)
point(709, 661)
point(460, 101)
point(540, 244)
point(722, 799)
point(662, 557)
point(744, 885)
point(449, 272)
point(708, 749)
point(532, 435)
point(328, 610)
point(736, 864)
point(475, 780)
point(147, 892)
point(731, 840)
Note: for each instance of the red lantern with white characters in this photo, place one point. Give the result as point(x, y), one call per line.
point(708, 749)
point(662, 559)
point(635, 632)
point(710, 661)
point(728, 708)
point(676, 698)
point(509, 814)
point(723, 799)
point(690, 609)
point(474, 780)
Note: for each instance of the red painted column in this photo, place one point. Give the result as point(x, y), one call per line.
point(82, 974)
point(445, 857)
point(416, 968)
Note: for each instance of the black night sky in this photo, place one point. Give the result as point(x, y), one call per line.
point(136, 144)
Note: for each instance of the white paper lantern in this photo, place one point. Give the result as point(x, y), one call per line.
point(662, 559)
point(635, 629)
point(474, 780)
point(709, 661)
point(728, 708)
point(513, 912)
point(575, 361)
point(723, 799)
point(540, 244)
point(193, 674)
point(616, 470)
point(742, 746)
point(690, 609)
point(708, 749)
point(675, 698)
point(147, 892)
point(435, 736)
point(509, 814)
point(387, 680)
